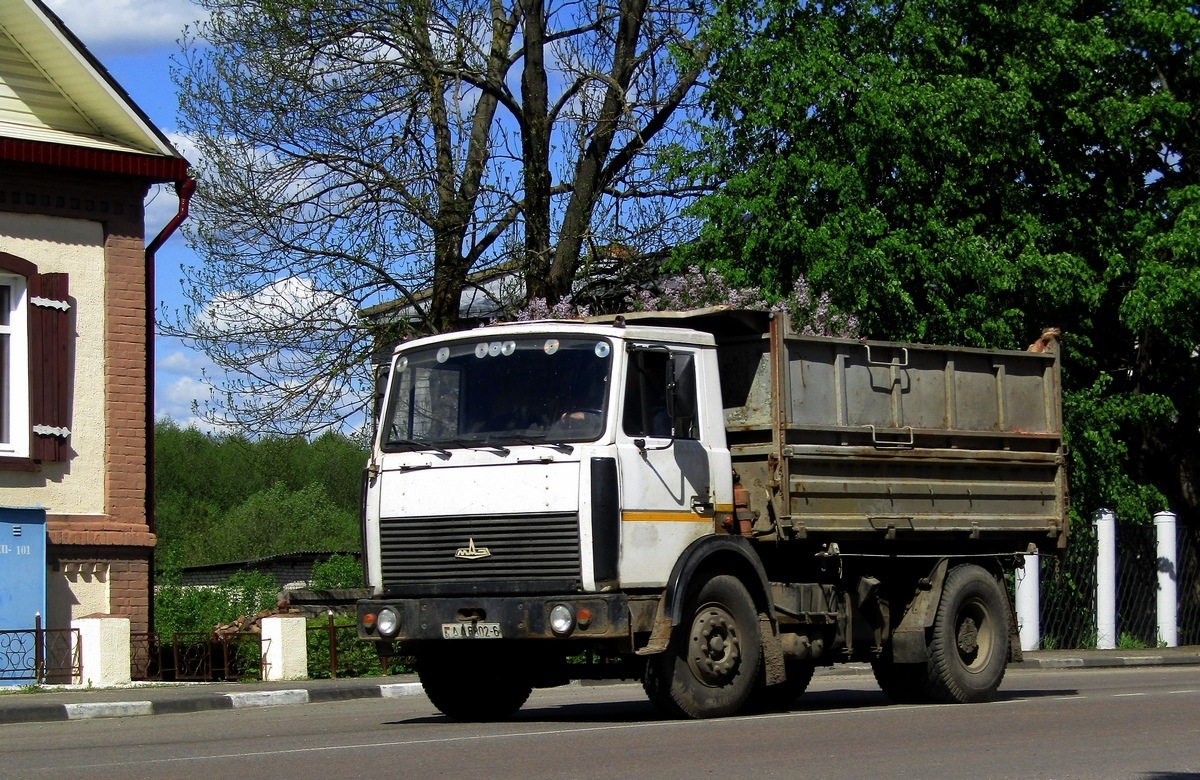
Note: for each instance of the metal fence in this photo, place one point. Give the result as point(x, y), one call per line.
point(1068, 609)
point(195, 656)
point(334, 649)
point(41, 655)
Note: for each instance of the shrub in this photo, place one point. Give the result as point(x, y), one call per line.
point(181, 609)
point(355, 658)
point(337, 571)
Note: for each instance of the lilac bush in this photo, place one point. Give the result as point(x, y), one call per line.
point(694, 289)
point(698, 288)
point(538, 309)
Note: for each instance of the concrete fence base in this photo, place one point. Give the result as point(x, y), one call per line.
point(104, 650)
point(285, 647)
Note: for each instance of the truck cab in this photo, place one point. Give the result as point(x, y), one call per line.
point(529, 481)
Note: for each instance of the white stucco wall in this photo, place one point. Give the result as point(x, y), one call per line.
point(74, 247)
point(79, 588)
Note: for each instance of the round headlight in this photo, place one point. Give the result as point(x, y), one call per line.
point(387, 622)
point(562, 619)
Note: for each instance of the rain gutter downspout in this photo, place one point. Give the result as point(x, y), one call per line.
point(184, 189)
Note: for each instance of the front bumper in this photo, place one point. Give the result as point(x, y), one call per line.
point(518, 617)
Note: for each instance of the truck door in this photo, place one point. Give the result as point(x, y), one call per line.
point(667, 462)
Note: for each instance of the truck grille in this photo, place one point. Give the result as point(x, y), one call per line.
point(450, 550)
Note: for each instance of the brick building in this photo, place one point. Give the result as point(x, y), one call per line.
point(77, 159)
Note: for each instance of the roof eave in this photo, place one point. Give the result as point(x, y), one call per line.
point(83, 61)
point(153, 168)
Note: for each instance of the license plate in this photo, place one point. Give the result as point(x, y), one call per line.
point(470, 630)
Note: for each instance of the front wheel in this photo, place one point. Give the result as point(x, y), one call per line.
point(783, 695)
point(712, 665)
point(471, 687)
point(968, 649)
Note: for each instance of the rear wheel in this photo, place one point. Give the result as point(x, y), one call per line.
point(712, 664)
point(968, 649)
point(470, 687)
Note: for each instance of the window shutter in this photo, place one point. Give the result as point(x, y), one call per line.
point(49, 375)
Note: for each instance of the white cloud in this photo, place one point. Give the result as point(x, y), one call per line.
point(178, 395)
point(186, 146)
point(185, 362)
point(122, 26)
point(280, 304)
point(181, 382)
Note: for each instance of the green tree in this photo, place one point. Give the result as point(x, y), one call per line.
point(223, 498)
point(969, 172)
point(280, 520)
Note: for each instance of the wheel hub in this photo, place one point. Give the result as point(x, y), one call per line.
point(968, 637)
point(715, 650)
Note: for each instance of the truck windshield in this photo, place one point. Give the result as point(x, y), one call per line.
point(523, 390)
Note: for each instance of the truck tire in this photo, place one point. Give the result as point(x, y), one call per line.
point(658, 689)
point(468, 688)
point(783, 695)
point(968, 649)
point(902, 683)
point(711, 667)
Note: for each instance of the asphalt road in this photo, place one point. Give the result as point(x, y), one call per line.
point(1137, 723)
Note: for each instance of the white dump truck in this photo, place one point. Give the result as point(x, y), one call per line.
point(707, 502)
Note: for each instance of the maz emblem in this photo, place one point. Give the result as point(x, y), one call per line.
point(471, 552)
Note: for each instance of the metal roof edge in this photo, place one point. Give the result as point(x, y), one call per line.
point(154, 168)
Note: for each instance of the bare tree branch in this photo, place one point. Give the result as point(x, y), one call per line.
point(359, 153)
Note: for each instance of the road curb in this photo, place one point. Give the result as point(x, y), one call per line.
point(1106, 659)
point(108, 709)
point(19, 712)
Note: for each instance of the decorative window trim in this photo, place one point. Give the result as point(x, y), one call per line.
point(15, 373)
point(50, 304)
point(40, 426)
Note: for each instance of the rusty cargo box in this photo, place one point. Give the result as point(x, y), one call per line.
point(843, 440)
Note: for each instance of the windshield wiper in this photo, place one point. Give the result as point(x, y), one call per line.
point(472, 444)
point(562, 447)
point(425, 445)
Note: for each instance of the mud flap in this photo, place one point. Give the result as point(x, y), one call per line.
point(660, 637)
point(774, 668)
point(908, 640)
point(1015, 654)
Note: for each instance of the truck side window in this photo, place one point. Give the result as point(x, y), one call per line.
point(646, 408)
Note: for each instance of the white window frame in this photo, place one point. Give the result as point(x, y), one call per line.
point(14, 402)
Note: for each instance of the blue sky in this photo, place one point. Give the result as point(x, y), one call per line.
point(135, 40)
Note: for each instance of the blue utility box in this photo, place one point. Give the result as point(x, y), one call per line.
point(22, 585)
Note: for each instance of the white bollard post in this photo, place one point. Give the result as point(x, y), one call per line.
point(1168, 579)
point(104, 650)
point(285, 647)
point(1105, 521)
point(1029, 602)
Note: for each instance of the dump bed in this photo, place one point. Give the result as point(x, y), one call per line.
point(884, 444)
